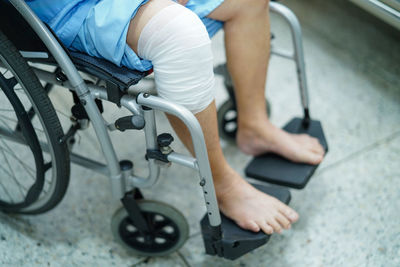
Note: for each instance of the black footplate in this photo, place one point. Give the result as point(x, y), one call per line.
point(236, 241)
point(275, 169)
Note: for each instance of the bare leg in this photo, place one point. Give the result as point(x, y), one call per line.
point(247, 33)
point(238, 200)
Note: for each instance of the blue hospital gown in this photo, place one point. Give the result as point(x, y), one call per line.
point(99, 27)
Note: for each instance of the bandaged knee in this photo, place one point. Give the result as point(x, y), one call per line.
point(177, 43)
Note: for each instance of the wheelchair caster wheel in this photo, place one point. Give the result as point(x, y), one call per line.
point(168, 229)
point(227, 120)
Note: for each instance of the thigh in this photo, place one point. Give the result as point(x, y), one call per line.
point(103, 33)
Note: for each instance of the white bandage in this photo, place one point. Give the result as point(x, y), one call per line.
point(177, 43)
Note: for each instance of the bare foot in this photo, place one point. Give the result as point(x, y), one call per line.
point(265, 137)
point(250, 208)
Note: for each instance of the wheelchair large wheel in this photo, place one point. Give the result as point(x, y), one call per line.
point(34, 166)
point(169, 229)
point(227, 120)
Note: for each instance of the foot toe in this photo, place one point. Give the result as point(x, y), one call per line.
point(318, 158)
point(250, 225)
point(318, 148)
point(283, 221)
point(315, 141)
point(290, 214)
point(313, 158)
point(275, 225)
point(266, 228)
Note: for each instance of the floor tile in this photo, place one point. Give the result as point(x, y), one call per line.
point(349, 211)
point(348, 217)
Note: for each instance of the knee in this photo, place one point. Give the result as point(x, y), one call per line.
point(173, 28)
point(179, 47)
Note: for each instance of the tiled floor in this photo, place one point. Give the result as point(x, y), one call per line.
point(350, 209)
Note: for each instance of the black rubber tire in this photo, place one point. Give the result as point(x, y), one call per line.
point(12, 59)
point(120, 220)
point(224, 122)
point(27, 135)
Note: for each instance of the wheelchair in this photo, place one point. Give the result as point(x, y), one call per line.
point(36, 153)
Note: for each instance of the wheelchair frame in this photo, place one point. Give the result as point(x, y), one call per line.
point(144, 104)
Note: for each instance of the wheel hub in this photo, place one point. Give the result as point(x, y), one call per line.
point(163, 233)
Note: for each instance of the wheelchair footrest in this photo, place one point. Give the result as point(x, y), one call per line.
point(236, 241)
point(275, 169)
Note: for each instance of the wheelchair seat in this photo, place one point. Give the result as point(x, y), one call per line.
point(121, 76)
point(20, 33)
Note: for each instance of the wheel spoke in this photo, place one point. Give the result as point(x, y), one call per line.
point(64, 114)
point(5, 72)
point(158, 226)
point(133, 235)
point(28, 169)
point(231, 120)
point(5, 190)
point(47, 166)
point(149, 219)
point(9, 166)
point(9, 119)
point(19, 160)
point(31, 114)
point(6, 110)
point(165, 235)
point(12, 82)
point(12, 174)
point(29, 153)
point(230, 128)
point(5, 170)
point(5, 124)
point(16, 121)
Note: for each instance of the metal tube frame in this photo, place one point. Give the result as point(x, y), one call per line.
point(200, 163)
point(206, 180)
point(87, 96)
point(79, 86)
point(129, 102)
point(298, 53)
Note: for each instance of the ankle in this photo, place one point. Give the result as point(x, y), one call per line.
point(254, 124)
point(224, 182)
point(254, 131)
